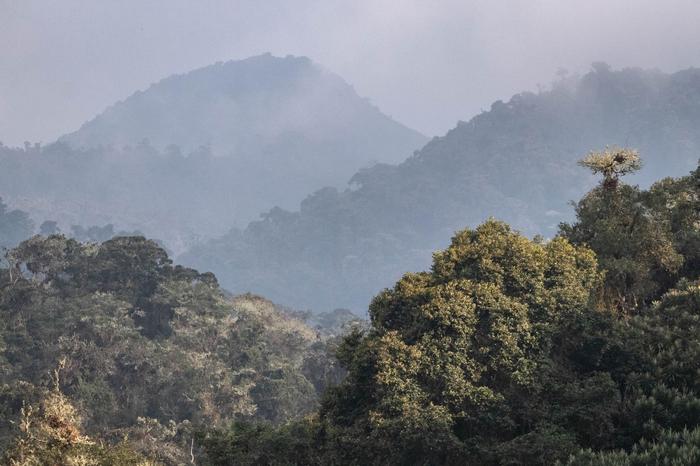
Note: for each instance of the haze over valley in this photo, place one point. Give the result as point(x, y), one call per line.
point(350, 233)
point(196, 154)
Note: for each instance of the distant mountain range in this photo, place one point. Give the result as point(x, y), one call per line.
point(197, 153)
point(516, 162)
point(286, 125)
point(263, 110)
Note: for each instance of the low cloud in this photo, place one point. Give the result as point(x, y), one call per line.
point(428, 64)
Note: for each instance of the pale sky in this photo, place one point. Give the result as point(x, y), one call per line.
point(426, 63)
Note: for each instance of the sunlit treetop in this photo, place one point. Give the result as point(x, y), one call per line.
point(612, 163)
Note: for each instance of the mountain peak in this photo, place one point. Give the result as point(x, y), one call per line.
point(232, 105)
point(228, 141)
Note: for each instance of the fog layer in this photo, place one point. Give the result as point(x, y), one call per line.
point(427, 64)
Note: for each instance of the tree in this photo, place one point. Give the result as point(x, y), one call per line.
point(672, 448)
point(51, 434)
point(612, 163)
point(442, 372)
point(518, 352)
point(645, 240)
point(660, 423)
point(151, 348)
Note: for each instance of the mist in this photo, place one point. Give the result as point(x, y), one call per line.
point(426, 64)
point(368, 232)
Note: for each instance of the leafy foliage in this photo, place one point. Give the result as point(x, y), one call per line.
point(51, 435)
point(645, 240)
point(151, 349)
point(672, 448)
point(451, 353)
point(612, 163)
point(519, 352)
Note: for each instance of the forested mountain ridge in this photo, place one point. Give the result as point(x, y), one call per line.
point(578, 351)
point(255, 108)
point(285, 123)
point(515, 162)
point(198, 153)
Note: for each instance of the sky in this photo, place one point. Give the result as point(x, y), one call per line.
point(427, 64)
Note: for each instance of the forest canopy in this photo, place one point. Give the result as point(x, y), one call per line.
point(580, 350)
point(576, 347)
point(148, 350)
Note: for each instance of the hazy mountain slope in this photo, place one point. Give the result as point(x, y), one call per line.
point(516, 162)
point(199, 153)
point(288, 124)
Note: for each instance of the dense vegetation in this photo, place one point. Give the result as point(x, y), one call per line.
point(515, 162)
point(149, 349)
point(576, 347)
point(198, 153)
point(51, 434)
point(581, 350)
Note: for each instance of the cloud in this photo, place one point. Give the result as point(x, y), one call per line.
point(427, 63)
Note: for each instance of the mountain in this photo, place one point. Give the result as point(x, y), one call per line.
point(582, 350)
point(516, 162)
point(287, 125)
point(197, 153)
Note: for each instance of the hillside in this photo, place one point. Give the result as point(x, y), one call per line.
point(198, 153)
point(582, 350)
point(579, 351)
point(516, 162)
point(147, 349)
point(287, 125)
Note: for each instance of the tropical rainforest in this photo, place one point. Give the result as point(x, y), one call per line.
point(147, 349)
point(150, 314)
point(581, 349)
